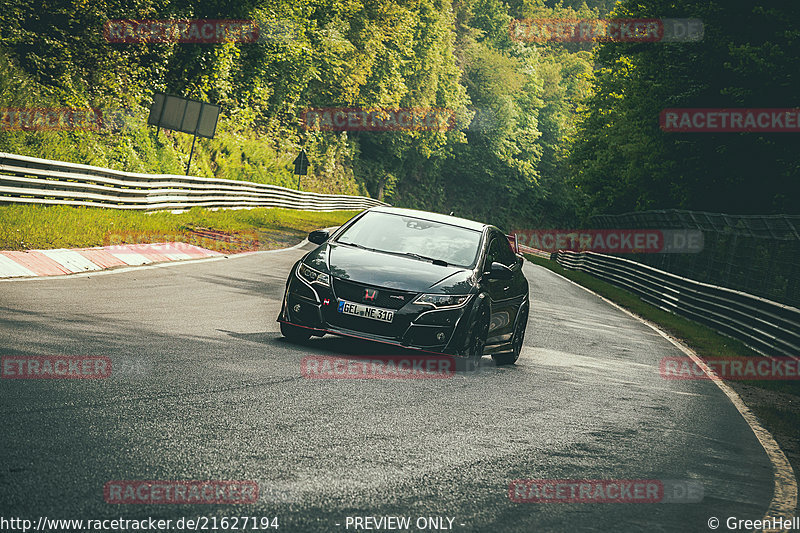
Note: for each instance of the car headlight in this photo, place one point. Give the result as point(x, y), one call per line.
point(442, 300)
point(314, 276)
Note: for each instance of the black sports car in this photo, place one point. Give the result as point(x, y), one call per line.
point(414, 279)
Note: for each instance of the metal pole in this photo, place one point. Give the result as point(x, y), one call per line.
point(161, 115)
point(194, 138)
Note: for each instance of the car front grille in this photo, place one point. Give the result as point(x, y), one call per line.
point(365, 325)
point(357, 292)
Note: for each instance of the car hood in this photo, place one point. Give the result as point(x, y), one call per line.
point(387, 270)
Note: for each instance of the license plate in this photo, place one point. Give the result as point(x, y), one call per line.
point(365, 311)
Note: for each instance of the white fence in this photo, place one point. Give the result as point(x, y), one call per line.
point(769, 327)
point(41, 181)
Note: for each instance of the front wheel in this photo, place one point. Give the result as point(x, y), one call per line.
point(295, 333)
point(509, 358)
point(477, 342)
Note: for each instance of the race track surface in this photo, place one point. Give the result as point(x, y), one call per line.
point(205, 388)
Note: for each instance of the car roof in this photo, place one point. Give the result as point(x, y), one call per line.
point(435, 217)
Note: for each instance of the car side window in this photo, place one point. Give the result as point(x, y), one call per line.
point(505, 254)
point(494, 253)
point(500, 251)
point(491, 255)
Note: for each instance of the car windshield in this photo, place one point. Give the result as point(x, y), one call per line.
point(385, 232)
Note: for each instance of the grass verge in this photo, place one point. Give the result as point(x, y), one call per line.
point(32, 227)
point(775, 403)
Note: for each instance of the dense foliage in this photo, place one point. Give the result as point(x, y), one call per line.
point(545, 133)
point(749, 58)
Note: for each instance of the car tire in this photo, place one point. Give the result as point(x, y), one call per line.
point(477, 342)
point(295, 333)
point(517, 340)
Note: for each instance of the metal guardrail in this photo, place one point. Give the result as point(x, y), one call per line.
point(41, 181)
point(766, 326)
point(533, 251)
point(756, 254)
point(783, 227)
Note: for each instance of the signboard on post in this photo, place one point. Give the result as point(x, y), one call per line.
point(186, 115)
point(300, 166)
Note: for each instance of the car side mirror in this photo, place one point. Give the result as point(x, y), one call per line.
point(318, 236)
point(500, 271)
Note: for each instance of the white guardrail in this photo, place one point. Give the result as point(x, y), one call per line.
point(769, 327)
point(30, 180)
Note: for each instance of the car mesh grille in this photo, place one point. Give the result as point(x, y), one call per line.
point(386, 298)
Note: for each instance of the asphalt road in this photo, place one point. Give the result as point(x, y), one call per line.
point(205, 388)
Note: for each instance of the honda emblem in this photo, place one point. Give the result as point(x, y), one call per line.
point(370, 295)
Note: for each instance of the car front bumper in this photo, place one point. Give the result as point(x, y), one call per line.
point(315, 306)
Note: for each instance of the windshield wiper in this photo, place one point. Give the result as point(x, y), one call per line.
point(425, 258)
point(439, 262)
point(356, 245)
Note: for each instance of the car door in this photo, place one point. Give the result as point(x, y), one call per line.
point(505, 295)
